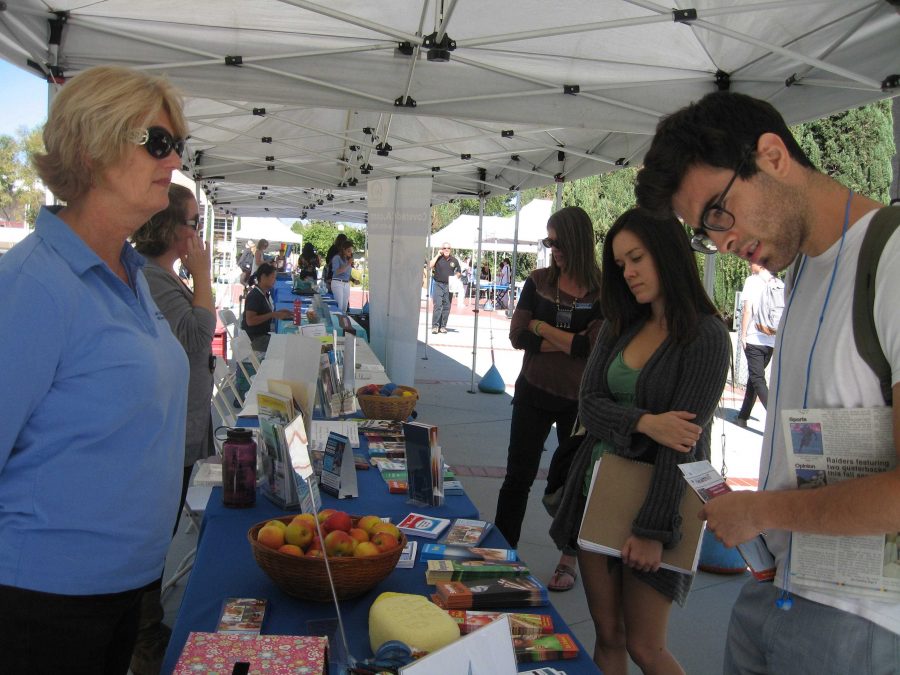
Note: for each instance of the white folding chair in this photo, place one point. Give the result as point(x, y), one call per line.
point(224, 387)
point(232, 325)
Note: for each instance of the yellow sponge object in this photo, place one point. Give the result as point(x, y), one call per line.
point(412, 619)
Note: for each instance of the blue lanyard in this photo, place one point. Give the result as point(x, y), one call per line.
point(785, 602)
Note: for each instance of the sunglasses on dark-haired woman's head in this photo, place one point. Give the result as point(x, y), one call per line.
point(550, 243)
point(158, 142)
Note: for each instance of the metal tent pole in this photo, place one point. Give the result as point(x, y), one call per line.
point(511, 291)
point(472, 389)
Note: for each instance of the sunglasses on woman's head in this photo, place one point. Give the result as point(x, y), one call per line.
point(158, 142)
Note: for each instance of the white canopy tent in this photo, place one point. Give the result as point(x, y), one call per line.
point(499, 233)
point(295, 104)
point(295, 101)
point(270, 229)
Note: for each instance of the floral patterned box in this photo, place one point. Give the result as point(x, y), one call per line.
point(217, 653)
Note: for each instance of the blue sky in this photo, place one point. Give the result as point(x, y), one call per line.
point(24, 99)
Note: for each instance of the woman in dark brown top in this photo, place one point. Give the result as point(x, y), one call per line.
point(556, 321)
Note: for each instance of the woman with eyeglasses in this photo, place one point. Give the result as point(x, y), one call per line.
point(649, 392)
point(93, 431)
point(555, 323)
point(170, 237)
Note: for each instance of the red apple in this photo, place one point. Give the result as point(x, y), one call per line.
point(337, 521)
point(271, 537)
point(359, 534)
point(385, 541)
point(291, 549)
point(307, 518)
point(339, 543)
point(323, 514)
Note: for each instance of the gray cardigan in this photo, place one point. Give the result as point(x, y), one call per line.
point(194, 328)
point(676, 377)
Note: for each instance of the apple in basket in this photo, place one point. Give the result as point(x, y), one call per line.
point(299, 533)
point(338, 520)
point(367, 523)
point(365, 549)
point(387, 528)
point(271, 537)
point(385, 541)
point(339, 543)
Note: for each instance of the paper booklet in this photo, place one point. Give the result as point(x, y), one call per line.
point(709, 483)
point(321, 428)
point(338, 468)
point(279, 483)
point(824, 447)
point(618, 488)
point(420, 525)
point(424, 465)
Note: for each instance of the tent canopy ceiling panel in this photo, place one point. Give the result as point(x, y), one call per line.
point(296, 102)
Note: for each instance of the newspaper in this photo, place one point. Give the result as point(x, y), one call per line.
point(709, 483)
point(824, 447)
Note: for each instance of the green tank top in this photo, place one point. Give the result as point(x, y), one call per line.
point(621, 380)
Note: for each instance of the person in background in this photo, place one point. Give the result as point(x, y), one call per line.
point(758, 346)
point(731, 168)
point(465, 274)
point(486, 271)
point(245, 263)
point(259, 255)
point(309, 262)
point(443, 266)
point(332, 251)
point(168, 237)
point(259, 310)
point(341, 264)
point(93, 430)
point(649, 393)
point(503, 279)
point(556, 322)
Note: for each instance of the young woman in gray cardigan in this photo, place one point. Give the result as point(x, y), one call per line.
point(649, 392)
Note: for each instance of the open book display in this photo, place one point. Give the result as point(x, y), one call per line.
point(617, 492)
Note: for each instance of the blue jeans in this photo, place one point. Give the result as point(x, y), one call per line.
point(810, 638)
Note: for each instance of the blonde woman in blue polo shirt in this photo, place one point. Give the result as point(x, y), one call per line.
point(94, 408)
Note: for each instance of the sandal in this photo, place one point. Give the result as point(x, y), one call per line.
point(563, 579)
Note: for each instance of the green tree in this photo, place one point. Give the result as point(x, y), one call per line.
point(321, 234)
point(604, 198)
point(21, 193)
point(495, 205)
point(853, 147)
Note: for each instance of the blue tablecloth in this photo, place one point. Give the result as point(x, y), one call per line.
point(225, 567)
point(283, 298)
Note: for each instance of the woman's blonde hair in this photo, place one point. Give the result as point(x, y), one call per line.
point(94, 118)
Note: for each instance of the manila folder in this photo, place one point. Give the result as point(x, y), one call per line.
point(617, 492)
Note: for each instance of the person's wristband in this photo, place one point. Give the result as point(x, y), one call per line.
point(536, 329)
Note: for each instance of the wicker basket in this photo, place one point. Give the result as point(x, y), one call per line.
point(377, 407)
point(306, 577)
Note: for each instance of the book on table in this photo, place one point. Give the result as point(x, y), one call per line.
point(618, 488)
point(242, 615)
point(467, 532)
point(444, 552)
point(490, 593)
point(545, 648)
point(470, 570)
point(520, 624)
point(420, 525)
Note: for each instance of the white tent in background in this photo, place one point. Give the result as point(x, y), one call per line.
point(498, 233)
point(270, 229)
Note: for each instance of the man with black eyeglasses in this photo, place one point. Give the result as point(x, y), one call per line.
point(729, 167)
point(443, 265)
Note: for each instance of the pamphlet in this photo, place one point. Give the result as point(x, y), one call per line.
point(618, 488)
point(321, 428)
point(279, 483)
point(241, 615)
point(424, 465)
point(467, 532)
point(308, 497)
point(709, 483)
point(338, 469)
point(408, 557)
point(827, 446)
point(488, 650)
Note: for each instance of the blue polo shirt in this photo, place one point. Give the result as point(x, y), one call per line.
point(93, 408)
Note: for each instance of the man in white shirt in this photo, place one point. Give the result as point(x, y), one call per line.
point(757, 345)
point(730, 167)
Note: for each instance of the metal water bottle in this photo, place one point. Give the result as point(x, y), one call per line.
point(239, 469)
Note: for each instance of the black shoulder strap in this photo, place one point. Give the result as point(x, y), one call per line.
point(883, 225)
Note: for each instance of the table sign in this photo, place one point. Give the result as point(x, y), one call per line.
point(338, 468)
point(487, 651)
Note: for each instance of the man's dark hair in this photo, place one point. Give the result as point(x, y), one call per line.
point(718, 131)
point(666, 241)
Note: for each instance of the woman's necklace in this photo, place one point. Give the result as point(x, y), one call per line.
point(564, 316)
